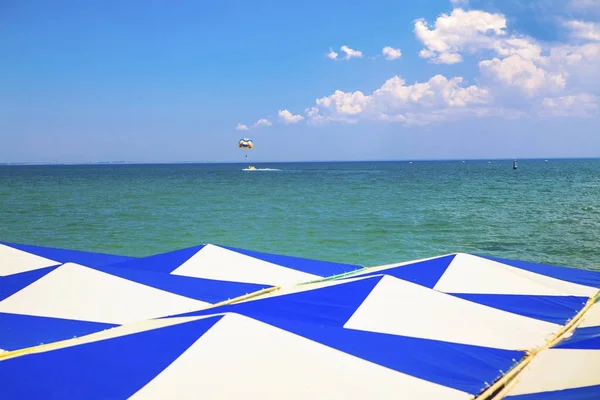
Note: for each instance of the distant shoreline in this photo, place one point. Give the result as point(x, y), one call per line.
point(285, 162)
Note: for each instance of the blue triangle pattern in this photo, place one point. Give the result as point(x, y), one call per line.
point(582, 393)
point(20, 331)
point(573, 275)
point(425, 273)
point(62, 256)
point(164, 262)
point(587, 338)
point(554, 309)
point(11, 284)
point(332, 305)
point(106, 369)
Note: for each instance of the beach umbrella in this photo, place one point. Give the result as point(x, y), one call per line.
point(457, 326)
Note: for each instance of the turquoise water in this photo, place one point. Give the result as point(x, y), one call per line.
point(369, 213)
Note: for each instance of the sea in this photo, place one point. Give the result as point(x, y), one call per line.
point(368, 213)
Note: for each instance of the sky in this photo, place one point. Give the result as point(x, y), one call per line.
point(162, 81)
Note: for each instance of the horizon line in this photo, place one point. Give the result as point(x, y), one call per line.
point(49, 163)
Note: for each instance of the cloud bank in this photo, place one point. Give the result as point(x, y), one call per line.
point(517, 75)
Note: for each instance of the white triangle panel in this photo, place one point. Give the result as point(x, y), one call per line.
point(559, 369)
point(14, 261)
point(472, 274)
point(402, 308)
point(243, 358)
point(76, 292)
point(591, 317)
point(214, 262)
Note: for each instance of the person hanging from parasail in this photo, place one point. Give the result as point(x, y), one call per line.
point(246, 144)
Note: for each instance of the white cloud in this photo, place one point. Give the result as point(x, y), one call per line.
point(438, 91)
point(351, 53)
point(288, 118)
point(584, 30)
point(519, 76)
point(344, 106)
point(569, 56)
point(456, 32)
point(262, 122)
point(499, 93)
point(585, 5)
point(437, 99)
point(520, 63)
point(579, 63)
point(391, 54)
point(580, 105)
point(470, 32)
point(521, 73)
point(449, 58)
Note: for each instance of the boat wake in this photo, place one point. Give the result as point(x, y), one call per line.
point(261, 169)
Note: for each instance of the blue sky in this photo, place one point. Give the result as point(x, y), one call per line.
point(155, 81)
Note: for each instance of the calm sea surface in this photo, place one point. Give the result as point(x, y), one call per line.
point(366, 212)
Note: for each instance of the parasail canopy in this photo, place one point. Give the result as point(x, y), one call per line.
point(220, 322)
point(246, 144)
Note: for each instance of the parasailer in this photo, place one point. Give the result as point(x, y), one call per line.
point(246, 144)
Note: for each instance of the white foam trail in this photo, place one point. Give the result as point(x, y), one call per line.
point(261, 169)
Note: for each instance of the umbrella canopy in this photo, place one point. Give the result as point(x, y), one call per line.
point(220, 322)
point(567, 370)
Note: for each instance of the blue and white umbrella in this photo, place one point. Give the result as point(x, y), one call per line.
point(218, 322)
